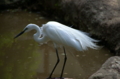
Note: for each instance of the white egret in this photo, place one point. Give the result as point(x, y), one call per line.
point(62, 35)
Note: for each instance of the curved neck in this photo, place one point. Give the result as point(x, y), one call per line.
point(38, 33)
point(37, 36)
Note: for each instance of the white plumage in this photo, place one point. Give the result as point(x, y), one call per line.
point(61, 35)
point(67, 36)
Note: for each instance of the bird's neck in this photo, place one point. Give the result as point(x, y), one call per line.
point(37, 35)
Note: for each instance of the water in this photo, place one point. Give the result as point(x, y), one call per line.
point(23, 58)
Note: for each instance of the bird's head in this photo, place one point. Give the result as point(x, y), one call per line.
point(28, 28)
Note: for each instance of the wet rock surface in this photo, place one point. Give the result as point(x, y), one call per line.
point(109, 70)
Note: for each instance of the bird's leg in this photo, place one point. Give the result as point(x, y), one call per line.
point(58, 60)
point(65, 59)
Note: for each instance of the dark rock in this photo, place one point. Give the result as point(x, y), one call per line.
point(109, 70)
point(104, 19)
point(100, 17)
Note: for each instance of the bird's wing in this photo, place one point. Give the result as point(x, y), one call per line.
point(84, 39)
point(69, 36)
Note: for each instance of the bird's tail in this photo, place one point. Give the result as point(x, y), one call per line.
point(86, 41)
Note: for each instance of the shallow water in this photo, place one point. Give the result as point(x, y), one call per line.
point(23, 58)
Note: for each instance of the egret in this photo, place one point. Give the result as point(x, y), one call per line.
point(61, 35)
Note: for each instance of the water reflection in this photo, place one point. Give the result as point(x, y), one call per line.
point(25, 59)
point(79, 64)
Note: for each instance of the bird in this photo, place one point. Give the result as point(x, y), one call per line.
point(61, 35)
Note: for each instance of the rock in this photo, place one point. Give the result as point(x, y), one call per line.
point(99, 17)
point(103, 19)
point(109, 70)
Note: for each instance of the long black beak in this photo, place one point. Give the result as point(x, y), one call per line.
point(20, 33)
